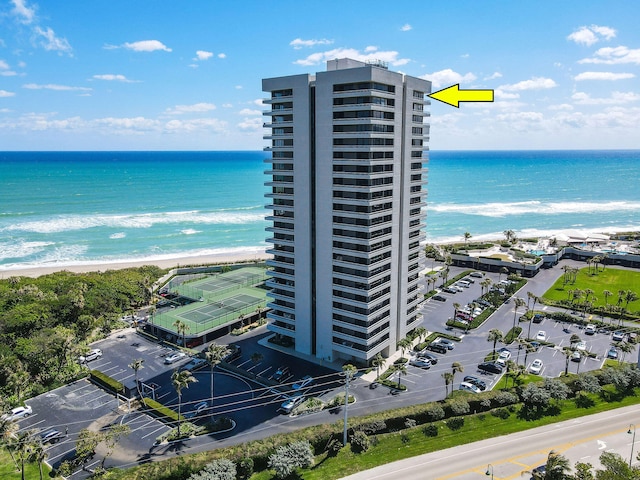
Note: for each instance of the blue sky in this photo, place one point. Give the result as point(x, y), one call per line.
point(186, 75)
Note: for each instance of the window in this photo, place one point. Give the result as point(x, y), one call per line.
point(345, 87)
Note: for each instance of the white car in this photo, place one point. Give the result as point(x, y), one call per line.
point(590, 329)
point(581, 346)
point(17, 413)
point(94, 354)
point(469, 387)
point(194, 364)
point(288, 405)
point(536, 366)
point(504, 355)
point(174, 357)
point(420, 362)
point(542, 335)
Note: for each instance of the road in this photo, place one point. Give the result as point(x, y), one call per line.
point(582, 439)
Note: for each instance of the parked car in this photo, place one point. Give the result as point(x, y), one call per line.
point(612, 353)
point(234, 352)
point(475, 274)
point(581, 346)
point(194, 364)
point(617, 336)
point(537, 318)
point(17, 413)
point(541, 336)
point(490, 367)
point(420, 362)
point(446, 342)
point(576, 356)
point(469, 387)
point(428, 356)
point(306, 381)
point(439, 298)
point(449, 290)
point(504, 355)
point(536, 366)
point(281, 374)
point(94, 354)
point(51, 436)
point(437, 347)
point(290, 403)
point(174, 357)
point(590, 330)
point(475, 381)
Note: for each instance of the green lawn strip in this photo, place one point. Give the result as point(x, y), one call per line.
point(412, 442)
point(8, 468)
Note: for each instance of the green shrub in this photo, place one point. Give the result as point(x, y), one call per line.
point(430, 430)
point(359, 442)
point(244, 468)
point(106, 381)
point(455, 423)
point(502, 413)
point(159, 410)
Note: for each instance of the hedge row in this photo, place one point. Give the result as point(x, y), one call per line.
point(106, 381)
point(158, 410)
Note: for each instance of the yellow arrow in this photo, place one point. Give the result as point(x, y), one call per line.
point(453, 95)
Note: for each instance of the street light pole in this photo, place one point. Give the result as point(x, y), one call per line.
point(633, 441)
point(489, 471)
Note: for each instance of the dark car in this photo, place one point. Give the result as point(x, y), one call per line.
point(437, 347)
point(51, 436)
point(537, 318)
point(439, 298)
point(449, 290)
point(475, 381)
point(281, 374)
point(429, 356)
point(539, 472)
point(234, 352)
point(612, 353)
point(490, 367)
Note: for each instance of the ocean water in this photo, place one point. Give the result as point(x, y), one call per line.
point(69, 208)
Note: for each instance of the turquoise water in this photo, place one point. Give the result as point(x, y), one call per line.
point(65, 208)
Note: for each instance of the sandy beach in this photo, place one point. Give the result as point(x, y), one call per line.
point(235, 257)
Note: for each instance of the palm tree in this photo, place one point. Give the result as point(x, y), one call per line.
point(135, 366)
point(256, 358)
point(503, 270)
point(518, 302)
point(39, 454)
point(448, 379)
point(8, 435)
point(557, 466)
point(215, 354)
point(181, 328)
point(456, 307)
point(629, 296)
point(509, 235)
point(624, 347)
point(421, 332)
point(378, 362)
point(467, 236)
point(495, 335)
point(606, 294)
point(403, 345)
point(181, 380)
point(402, 370)
point(455, 367)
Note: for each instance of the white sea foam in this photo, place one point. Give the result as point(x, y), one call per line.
point(69, 223)
point(190, 231)
point(21, 249)
point(534, 207)
point(117, 235)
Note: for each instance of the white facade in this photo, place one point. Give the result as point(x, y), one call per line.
point(347, 199)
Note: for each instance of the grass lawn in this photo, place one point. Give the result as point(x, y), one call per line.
point(8, 468)
point(611, 279)
point(408, 443)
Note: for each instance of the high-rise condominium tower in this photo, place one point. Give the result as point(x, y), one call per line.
point(347, 194)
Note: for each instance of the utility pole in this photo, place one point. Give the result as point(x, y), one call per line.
point(349, 372)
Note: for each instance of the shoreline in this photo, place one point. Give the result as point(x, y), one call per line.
point(167, 263)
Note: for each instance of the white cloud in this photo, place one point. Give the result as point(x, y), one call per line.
point(602, 76)
point(536, 83)
point(561, 107)
point(195, 125)
point(60, 88)
point(498, 93)
point(614, 56)
point(222, 55)
point(406, 27)
point(203, 55)
point(616, 98)
point(448, 77)
point(590, 35)
point(249, 111)
point(493, 76)
point(195, 108)
point(113, 77)
point(299, 43)
point(251, 124)
point(4, 93)
point(5, 70)
point(465, 55)
point(20, 9)
point(51, 41)
point(372, 55)
point(146, 46)
point(227, 105)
